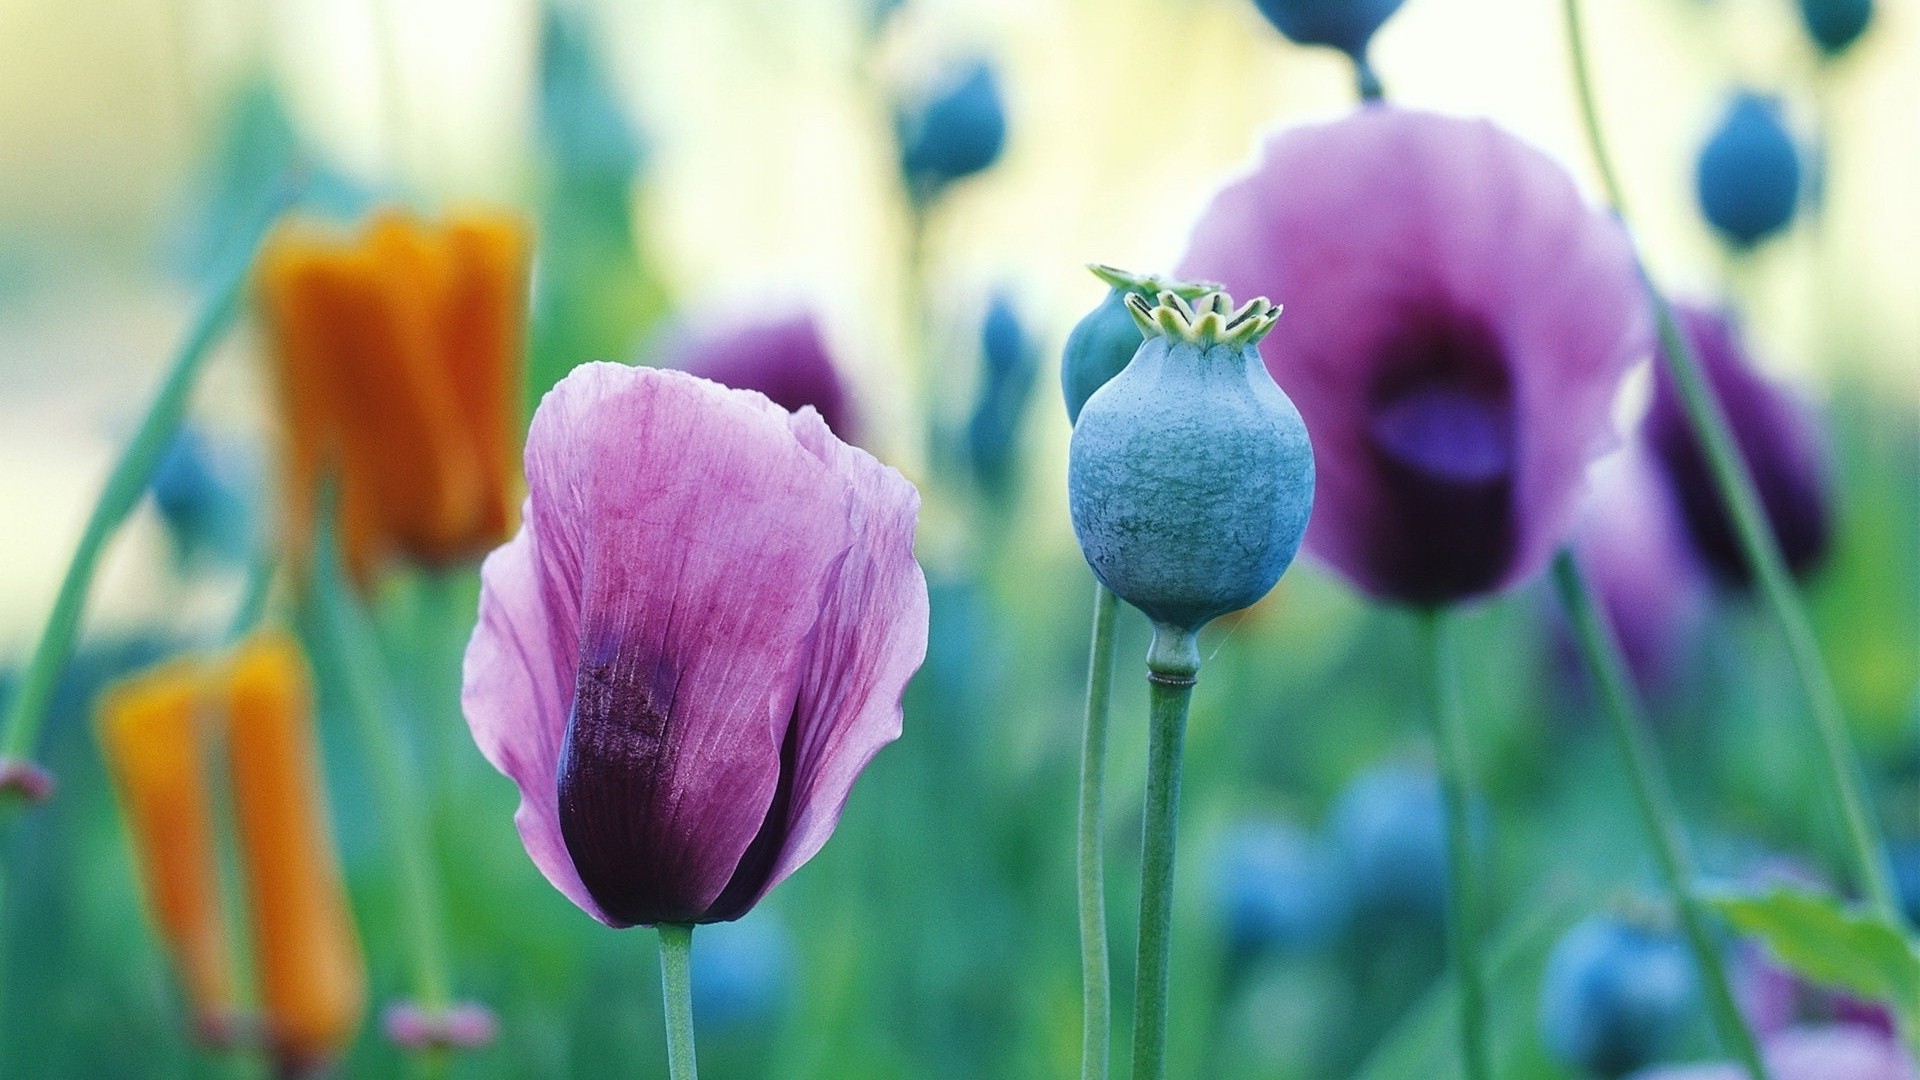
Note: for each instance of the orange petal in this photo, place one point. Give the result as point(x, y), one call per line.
point(312, 977)
point(484, 324)
point(151, 735)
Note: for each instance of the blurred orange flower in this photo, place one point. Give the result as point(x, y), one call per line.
point(159, 731)
point(312, 980)
point(399, 353)
point(151, 737)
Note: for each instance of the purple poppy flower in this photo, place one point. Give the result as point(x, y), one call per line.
point(696, 642)
point(784, 358)
point(1634, 550)
point(1839, 1052)
point(1458, 321)
point(1777, 435)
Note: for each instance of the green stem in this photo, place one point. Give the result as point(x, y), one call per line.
point(1096, 1004)
point(1653, 796)
point(1172, 663)
point(125, 487)
point(339, 630)
point(253, 596)
point(1463, 903)
point(1866, 849)
point(676, 988)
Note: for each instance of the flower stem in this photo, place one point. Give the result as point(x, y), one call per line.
point(1173, 661)
point(676, 988)
point(1096, 1004)
point(1652, 795)
point(1463, 905)
point(338, 629)
point(127, 484)
point(1866, 848)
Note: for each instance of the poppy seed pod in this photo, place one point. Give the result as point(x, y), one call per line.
point(1835, 25)
point(1189, 475)
point(1775, 432)
point(1748, 176)
point(1105, 339)
point(1347, 25)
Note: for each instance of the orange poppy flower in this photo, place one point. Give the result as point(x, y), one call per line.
point(399, 353)
point(312, 979)
point(150, 730)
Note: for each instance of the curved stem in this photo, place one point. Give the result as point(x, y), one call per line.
point(1653, 797)
point(127, 484)
point(1463, 905)
point(1172, 663)
point(676, 990)
point(1865, 847)
point(1096, 1004)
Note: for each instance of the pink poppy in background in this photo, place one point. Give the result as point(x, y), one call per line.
point(785, 358)
point(1837, 1052)
point(695, 643)
point(1458, 321)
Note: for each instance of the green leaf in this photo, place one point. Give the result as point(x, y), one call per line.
point(1829, 943)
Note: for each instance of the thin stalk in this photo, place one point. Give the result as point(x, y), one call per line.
point(253, 596)
point(1653, 796)
point(676, 989)
point(339, 630)
point(127, 484)
point(1865, 847)
point(1172, 663)
point(1096, 989)
point(1463, 902)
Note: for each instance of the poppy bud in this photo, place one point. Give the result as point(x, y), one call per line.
point(1748, 177)
point(1347, 25)
point(1189, 475)
point(1105, 339)
point(1278, 889)
point(1614, 995)
point(1390, 827)
point(199, 489)
point(956, 133)
point(1006, 383)
point(1835, 25)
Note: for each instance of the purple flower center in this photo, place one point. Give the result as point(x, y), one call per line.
point(634, 838)
point(1441, 427)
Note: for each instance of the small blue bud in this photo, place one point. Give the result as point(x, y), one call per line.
point(1748, 177)
point(1347, 25)
point(742, 971)
point(958, 132)
point(1277, 889)
point(1189, 474)
point(1390, 828)
point(1615, 995)
point(1105, 339)
point(1835, 25)
point(199, 490)
point(1006, 383)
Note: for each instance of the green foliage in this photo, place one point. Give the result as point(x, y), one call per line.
point(1831, 943)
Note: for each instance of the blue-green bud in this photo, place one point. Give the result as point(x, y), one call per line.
point(1189, 476)
point(1105, 339)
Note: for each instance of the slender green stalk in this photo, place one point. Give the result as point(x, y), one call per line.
point(253, 596)
point(1172, 663)
point(1463, 900)
point(1653, 796)
point(676, 988)
point(1096, 1005)
point(125, 486)
point(1866, 848)
point(338, 630)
